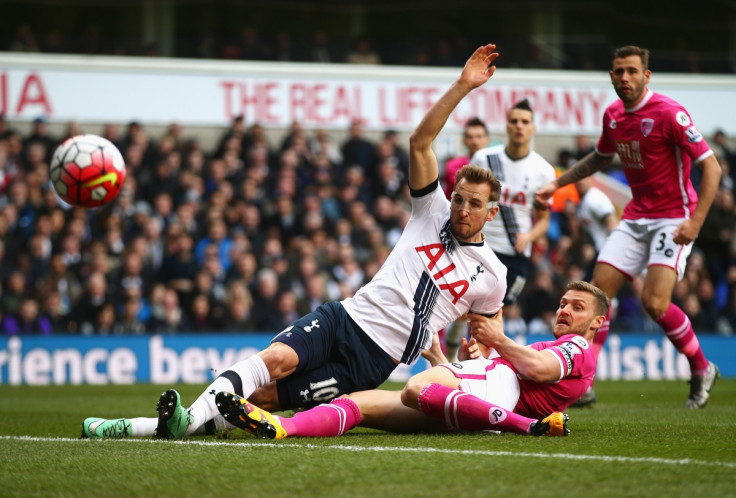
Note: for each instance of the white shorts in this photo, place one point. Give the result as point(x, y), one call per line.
point(634, 245)
point(488, 380)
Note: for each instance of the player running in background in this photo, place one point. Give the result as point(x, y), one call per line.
point(440, 269)
point(522, 219)
point(656, 142)
point(524, 390)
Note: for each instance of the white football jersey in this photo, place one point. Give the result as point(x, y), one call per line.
point(428, 281)
point(593, 208)
point(520, 179)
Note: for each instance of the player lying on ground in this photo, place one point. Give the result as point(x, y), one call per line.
point(523, 390)
point(440, 269)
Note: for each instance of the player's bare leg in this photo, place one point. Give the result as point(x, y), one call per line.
point(384, 410)
point(657, 301)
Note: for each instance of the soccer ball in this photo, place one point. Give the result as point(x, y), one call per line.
point(87, 171)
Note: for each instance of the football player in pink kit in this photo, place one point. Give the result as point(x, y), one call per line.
point(518, 389)
point(656, 142)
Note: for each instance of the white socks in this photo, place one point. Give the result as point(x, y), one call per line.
point(253, 374)
point(143, 426)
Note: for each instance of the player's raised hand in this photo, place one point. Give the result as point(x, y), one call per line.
point(479, 68)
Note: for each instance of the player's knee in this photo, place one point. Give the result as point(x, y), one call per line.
point(410, 393)
point(280, 360)
point(655, 306)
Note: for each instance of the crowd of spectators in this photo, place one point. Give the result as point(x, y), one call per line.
point(251, 234)
point(249, 43)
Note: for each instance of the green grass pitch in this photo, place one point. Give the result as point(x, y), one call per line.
point(636, 441)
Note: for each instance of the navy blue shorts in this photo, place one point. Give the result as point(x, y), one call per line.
point(517, 272)
point(335, 357)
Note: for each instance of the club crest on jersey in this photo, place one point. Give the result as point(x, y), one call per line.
point(478, 271)
point(682, 118)
point(647, 125)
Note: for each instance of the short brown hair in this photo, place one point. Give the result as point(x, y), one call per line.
point(602, 301)
point(476, 174)
point(476, 122)
point(628, 50)
point(522, 105)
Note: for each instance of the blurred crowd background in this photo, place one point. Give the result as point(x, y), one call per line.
point(252, 234)
point(541, 35)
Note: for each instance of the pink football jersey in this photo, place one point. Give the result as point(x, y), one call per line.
point(657, 144)
point(578, 365)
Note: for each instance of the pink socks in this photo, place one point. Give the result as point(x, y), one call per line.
point(332, 419)
point(680, 332)
point(467, 412)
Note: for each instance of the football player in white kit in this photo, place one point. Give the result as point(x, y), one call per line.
point(519, 389)
point(441, 269)
point(521, 219)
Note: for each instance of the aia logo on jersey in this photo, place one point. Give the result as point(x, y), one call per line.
point(444, 273)
point(647, 125)
point(509, 199)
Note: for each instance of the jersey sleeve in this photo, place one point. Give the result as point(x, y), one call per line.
point(606, 145)
point(686, 136)
point(429, 201)
point(569, 351)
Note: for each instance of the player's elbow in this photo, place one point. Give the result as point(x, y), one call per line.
point(419, 140)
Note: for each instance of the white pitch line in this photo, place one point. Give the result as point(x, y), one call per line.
point(396, 449)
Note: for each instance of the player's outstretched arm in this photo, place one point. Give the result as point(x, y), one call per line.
point(530, 363)
point(423, 167)
point(585, 167)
